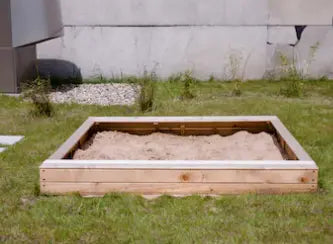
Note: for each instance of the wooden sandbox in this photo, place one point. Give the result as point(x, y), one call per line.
point(60, 174)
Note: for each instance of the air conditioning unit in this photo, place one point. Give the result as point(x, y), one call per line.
point(23, 24)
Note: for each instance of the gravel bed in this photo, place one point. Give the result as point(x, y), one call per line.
point(99, 94)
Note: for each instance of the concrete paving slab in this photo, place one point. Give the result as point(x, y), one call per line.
point(10, 140)
point(17, 95)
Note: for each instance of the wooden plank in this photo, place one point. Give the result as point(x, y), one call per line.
point(292, 143)
point(189, 128)
point(224, 131)
point(178, 125)
point(73, 142)
point(178, 176)
point(177, 164)
point(185, 119)
point(172, 188)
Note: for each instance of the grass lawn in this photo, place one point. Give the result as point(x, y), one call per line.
point(27, 216)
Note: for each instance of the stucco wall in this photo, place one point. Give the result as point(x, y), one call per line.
point(208, 37)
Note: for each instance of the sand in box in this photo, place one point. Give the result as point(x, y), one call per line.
point(113, 145)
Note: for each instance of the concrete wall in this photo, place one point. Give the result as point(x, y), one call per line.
point(225, 38)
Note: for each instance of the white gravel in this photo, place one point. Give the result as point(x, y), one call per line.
point(99, 94)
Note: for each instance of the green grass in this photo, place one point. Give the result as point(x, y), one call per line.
point(26, 216)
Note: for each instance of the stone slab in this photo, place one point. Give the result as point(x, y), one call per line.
point(11, 94)
point(300, 12)
point(10, 140)
point(164, 12)
point(113, 51)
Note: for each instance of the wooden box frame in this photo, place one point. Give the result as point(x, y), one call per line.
point(298, 173)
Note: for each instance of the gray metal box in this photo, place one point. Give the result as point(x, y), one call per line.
point(34, 21)
point(23, 24)
point(16, 64)
point(5, 24)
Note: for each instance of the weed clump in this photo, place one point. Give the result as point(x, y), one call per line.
point(236, 91)
point(37, 92)
point(292, 77)
point(294, 88)
point(146, 98)
point(187, 90)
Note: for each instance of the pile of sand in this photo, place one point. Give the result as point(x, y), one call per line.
point(243, 145)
